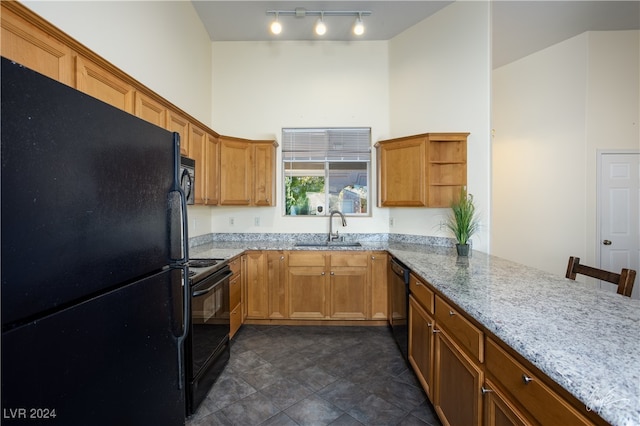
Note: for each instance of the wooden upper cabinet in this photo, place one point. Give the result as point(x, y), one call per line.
point(150, 110)
point(263, 173)
point(26, 44)
point(402, 173)
point(197, 146)
point(176, 122)
point(94, 80)
point(212, 170)
point(426, 170)
point(235, 172)
point(247, 172)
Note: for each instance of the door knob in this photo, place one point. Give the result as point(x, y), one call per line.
point(606, 242)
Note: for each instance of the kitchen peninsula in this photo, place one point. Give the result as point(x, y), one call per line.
point(584, 339)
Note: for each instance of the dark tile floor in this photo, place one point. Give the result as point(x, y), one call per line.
point(282, 375)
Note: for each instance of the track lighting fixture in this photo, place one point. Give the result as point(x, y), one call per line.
point(320, 27)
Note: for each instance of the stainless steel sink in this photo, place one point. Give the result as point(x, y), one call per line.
point(329, 244)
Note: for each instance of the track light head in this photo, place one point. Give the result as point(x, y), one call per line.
point(276, 27)
point(321, 28)
point(358, 27)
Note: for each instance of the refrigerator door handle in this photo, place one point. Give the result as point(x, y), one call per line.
point(186, 308)
point(180, 252)
point(179, 237)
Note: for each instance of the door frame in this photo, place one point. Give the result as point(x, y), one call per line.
point(600, 153)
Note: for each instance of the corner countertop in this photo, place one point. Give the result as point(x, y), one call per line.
point(585, 339)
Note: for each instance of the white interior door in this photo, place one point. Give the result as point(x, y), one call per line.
point(619, 206)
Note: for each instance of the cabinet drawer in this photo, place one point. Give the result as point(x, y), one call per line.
point(421, 293)
point(540, 401)
point(351, 259)
point(306, 259)
point(235, 320)
point(466, 334)
point(234, 291)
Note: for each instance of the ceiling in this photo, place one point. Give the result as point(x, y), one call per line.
point(519, 27)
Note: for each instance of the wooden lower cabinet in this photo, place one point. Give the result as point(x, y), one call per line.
point(307, 284)
point(378, 278)
point(526, 387)
point(315, 285)
point(421, 345)
point(235, 296)
point(348, 285)
point(498, 410)
point(255, 285)
point(457, 385)
point(276, 282)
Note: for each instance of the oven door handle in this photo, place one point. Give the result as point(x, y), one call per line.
point(197, 293)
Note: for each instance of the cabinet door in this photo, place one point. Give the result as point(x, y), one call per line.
point(150, 110)
point(197, 147)
point(235, 173)
point(276, 278)
point(348, 292)
point(307, 292)
point(101, 84)
point(379, 302)
point(26, 44)
point(458, 380)
point(235, 304)
point(178, 123)
point(498, 410)
point(264, 170)
point(421, 345)
point(212, 178)
point(256, 285)
point(402, 176)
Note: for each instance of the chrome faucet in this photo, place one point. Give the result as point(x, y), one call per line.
point(332, 236)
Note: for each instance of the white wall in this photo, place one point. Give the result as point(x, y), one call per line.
point(552, 110)
point(440, 82)
point(261, 87)
point(162, 44)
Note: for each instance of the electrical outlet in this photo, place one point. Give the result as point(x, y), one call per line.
point(232, 221)
point(256, 221)
point(391, 221)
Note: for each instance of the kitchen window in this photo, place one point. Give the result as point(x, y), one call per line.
point(326, 169)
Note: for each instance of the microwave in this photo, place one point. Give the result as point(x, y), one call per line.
point(188, 178)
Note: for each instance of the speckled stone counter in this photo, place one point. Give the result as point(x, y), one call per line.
point(585, 339)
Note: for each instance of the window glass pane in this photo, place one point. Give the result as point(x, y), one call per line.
point(348, 187)
point(304, 188)
point(326, 169)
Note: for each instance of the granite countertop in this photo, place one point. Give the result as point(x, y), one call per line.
point(585, 339)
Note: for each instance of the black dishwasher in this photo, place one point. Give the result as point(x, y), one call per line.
point(399, 303)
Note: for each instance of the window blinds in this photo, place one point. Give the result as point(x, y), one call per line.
point(326, 144)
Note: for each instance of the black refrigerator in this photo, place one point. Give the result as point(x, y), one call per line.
point(94, 248)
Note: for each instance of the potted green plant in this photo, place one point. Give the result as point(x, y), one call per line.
point(463, 221)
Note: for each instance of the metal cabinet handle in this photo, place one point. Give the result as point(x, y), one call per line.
point(429, 324)
point(607, 242)
point(281, 257)
point(435, 330)
point(526, 379)
point(451, 313)
point(332, 273)
point(322, 273)
point(485, 390)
